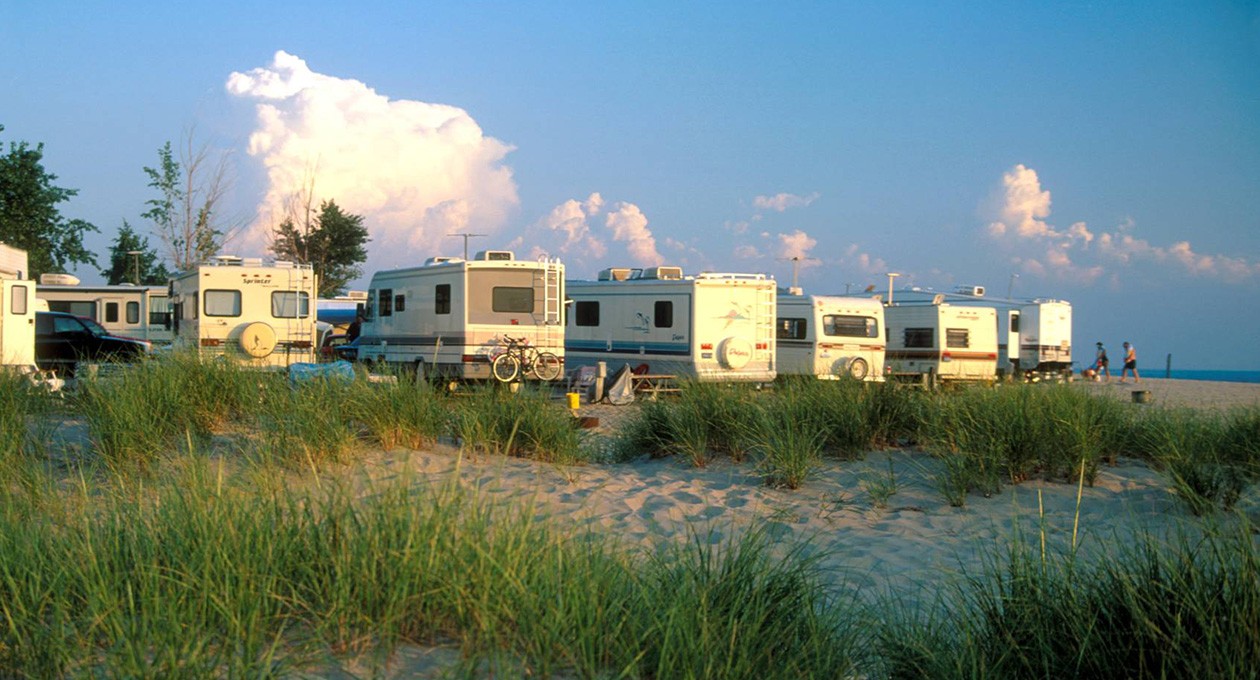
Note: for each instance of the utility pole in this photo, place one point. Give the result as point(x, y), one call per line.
point(135, 254)
point(1011, 286)
point(891, 276)
point(466, 237)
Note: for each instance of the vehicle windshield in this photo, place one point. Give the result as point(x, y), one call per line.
point(93, 326)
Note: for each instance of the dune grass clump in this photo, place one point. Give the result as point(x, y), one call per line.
point(524, 423)
point(1185, 609)
point(22, 406)
point(989, 437)
point(398, 413)
point(1209, 458)
point(703, 421)
point(305, 425)
point(196, 575)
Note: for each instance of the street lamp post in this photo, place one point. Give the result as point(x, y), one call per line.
point(135, 254)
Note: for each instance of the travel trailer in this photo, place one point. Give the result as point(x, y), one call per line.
point(940, 342)
point(1034, 335)
point(17, 311)
point(450, 317)
point(125, 310)
point(258, 313)
point(713, 327)
point(830, 337)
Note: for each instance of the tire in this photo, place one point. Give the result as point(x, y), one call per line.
point(505, 367)
point(858, 369)
point(547, 366)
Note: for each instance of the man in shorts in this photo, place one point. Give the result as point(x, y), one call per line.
point(1130, 363)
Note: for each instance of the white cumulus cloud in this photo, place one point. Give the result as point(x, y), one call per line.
point(1020, 219)
point(783, 201)
point(416, 171)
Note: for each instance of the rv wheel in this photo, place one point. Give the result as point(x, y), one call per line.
point(858, 369)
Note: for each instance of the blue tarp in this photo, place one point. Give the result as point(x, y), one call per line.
point(337, 371)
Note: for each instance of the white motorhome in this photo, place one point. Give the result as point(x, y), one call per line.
point(261, 314)
point(713, 327)
point(125, 310)
point(17, 310)
point(450, 317)
point(1034, 335)
point(941, 342)
point(830, 337)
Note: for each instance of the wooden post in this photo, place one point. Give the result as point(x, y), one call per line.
point(1168, 366)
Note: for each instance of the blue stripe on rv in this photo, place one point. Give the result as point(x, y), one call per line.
point(602, 347)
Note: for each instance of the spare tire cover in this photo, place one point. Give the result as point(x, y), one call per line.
point(735, 353)
point(258, 339)
point(858, 369)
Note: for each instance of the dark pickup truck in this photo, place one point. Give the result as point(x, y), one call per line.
point(63, 340)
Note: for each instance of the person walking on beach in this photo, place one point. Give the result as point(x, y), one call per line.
point(1130, 362)
point(1101, 363)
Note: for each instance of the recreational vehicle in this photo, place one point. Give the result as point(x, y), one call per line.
point(124, 310)
point(830, 337)
point(941, 342)
point(17, 311)
point(713, 327)
point(255, 312)
point(1034, 335)
point(451, 317)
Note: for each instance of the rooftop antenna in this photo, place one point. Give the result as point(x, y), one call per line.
point(891, 276)
point(796, 265)
point(466, 236)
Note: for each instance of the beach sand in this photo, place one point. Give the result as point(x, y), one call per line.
point(913, 546)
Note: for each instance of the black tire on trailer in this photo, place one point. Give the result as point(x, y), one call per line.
point(505, 367)
point(547, 366)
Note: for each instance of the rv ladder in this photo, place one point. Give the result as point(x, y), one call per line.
point(552, 273)
point(765, 321)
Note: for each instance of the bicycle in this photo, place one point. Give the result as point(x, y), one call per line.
point(518, 358)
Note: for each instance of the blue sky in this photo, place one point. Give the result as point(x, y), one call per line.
point(1104, 152)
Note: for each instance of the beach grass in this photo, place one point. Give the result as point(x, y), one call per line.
point(1188, 606)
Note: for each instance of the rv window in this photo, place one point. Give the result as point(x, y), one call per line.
point(1014, 322)
point(87, 309)
point(223, 303)
point(386, 300)
point(159, 310)
point(957, 337)
point(850, 326)
point(920, 337)
point(512, 299)
point(111, 312)
point(664, 313)
point(290, 304)
point(400, 302)
point(18, 303)
point(442, 298)
point(792, 329)
point(133, 312)
point(586, 313)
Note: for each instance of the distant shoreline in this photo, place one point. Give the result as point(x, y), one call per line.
point(1209, 375)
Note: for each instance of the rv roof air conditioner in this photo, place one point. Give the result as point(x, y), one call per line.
point(226, 260)
point(496, 255)
point(251, 261)
point(615, 274)
point(662, 273)
point(442, 259)
point(58, 280)
point(976, 291)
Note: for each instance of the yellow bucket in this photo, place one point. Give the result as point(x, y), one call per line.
point(575, 400)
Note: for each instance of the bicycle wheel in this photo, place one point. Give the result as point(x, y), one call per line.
point(546, 366)
point(505, 367)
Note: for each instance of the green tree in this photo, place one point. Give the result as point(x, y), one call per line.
point(144, 267)
point(332, 242)
point(29, 218)
point(186, 214)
